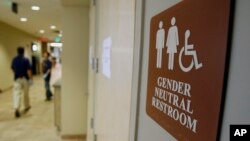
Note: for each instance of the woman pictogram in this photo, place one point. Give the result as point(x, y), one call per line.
point(172, 43)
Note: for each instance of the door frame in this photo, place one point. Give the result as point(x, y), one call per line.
point(137, 68)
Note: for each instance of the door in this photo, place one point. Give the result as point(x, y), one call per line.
point(114, 39)
point(93, 66)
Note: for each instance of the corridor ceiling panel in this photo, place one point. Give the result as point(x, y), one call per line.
point(49, 14)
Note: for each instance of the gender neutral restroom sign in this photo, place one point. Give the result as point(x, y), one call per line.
point(188, 44)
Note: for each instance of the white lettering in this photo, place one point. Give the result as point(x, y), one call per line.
point(243, 131)
point(174, 86)
point(175, 100)
point(237, 132)
point(176, 114)
point(183, 103)
point(191, 124)
point(188, 107)
point(180, 88)
point(184, 119)
point(187, 90)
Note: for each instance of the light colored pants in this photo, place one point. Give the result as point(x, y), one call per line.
point(20, 87)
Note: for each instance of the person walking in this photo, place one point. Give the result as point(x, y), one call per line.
point(22, 75)
point(47, 66)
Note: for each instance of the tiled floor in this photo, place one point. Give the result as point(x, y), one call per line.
point(36, 125)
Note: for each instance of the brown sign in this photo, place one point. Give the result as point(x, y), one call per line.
point(187, 54)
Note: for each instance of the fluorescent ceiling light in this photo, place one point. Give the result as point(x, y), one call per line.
point(41, 31)
point(23, 19)
point(52, 27)
point(35, 8)
point(56, 44)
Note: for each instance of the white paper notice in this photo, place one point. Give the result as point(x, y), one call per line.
point(106, 48)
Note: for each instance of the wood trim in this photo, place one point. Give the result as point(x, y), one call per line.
point(82, 136)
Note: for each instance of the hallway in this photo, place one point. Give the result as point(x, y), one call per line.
point(36, 125)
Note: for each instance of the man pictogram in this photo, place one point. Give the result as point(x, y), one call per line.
point(160, 38)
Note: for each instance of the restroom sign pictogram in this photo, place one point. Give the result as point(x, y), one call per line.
point(187, 56)
point(172, 41)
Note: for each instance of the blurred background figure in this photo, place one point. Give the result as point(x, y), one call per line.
point(56, 72)
point(22, 74)
point(47, 67)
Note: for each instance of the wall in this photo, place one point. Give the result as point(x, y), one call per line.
point(237, 97)
point(74, 70)
point(10, 39)
point(91, 73)
point(148, 130)
point(115, 19)
point(236, 110)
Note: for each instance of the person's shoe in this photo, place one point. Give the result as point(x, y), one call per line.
point(27, 109)
point(17, 114)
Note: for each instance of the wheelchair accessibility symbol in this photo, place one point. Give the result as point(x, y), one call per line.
point(188, 50)
point(172, 42)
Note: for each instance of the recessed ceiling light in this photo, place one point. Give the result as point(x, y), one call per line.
point(52, 27)
point(23, 19)
point(35, 8)
point(41, 31)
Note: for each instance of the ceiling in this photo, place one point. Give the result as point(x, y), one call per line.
point(49, 14)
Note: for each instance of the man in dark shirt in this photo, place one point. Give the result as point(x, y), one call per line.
point(47, 66)
point(22, 74)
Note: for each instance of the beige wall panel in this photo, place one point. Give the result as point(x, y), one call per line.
point(10, 39)
point(75, 70)
point(115, 20)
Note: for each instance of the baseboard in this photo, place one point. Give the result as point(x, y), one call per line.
point(74, 137)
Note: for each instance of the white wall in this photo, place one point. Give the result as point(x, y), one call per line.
point(10, 39)
point(149, 130)
point(238, 98)
point(74, 70)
